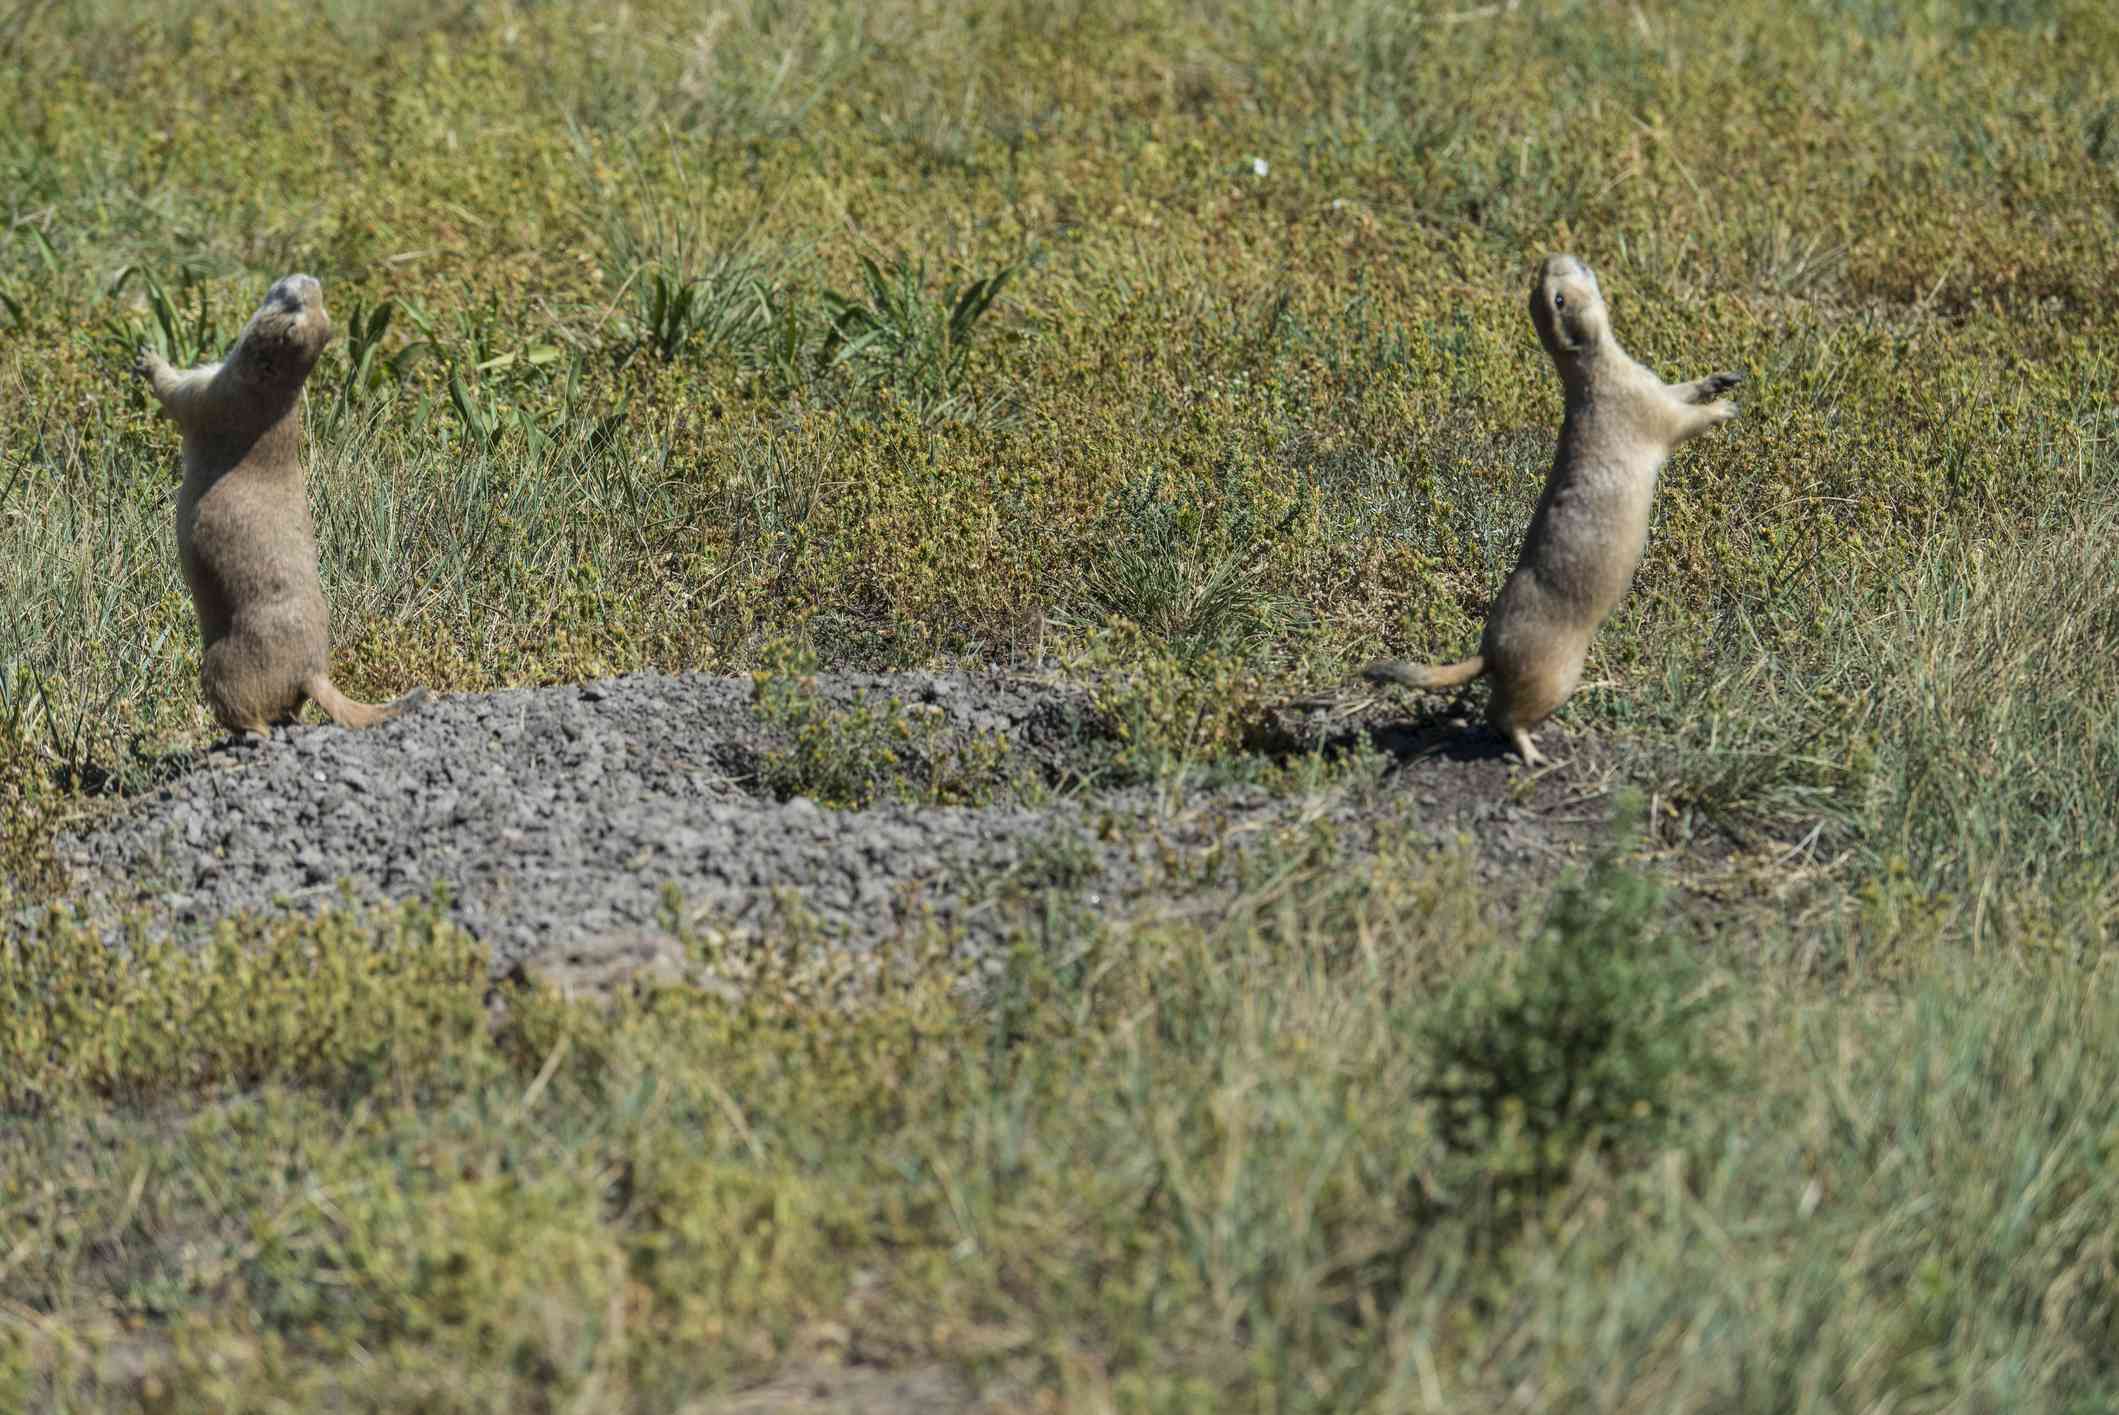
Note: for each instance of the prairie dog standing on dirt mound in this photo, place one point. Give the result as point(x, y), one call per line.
point(1585, 538)
point(244, 537)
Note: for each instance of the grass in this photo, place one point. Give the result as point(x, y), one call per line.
point(1182, 346)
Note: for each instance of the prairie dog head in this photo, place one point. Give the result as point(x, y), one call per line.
point(1567, 307)
point(284, 337)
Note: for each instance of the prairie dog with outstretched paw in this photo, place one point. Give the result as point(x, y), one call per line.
point(244, 537)
point(1585, 538)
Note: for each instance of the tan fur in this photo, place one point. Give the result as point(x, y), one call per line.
point(244, 538)
point(1585, 538)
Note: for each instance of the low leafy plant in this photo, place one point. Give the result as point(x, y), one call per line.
point(893, 334)
point(1590, 1036)
point(182, 328)
point(368, 368)
point(340, 1000)
point(731, 306)
point(852, 757)
point(1169, 717)
point(1191, 581)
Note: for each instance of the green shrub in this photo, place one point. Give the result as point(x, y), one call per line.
point(1590, 1036)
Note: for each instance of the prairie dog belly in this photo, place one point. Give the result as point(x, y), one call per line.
point(1586, 541)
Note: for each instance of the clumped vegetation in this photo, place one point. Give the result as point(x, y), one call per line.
point(854, 756)
point(1181, 346)
point(1584, 1039)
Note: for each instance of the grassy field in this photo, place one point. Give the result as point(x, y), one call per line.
point(1184, 344)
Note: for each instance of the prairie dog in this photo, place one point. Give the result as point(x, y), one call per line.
point(1585, 538)
point(244, 537)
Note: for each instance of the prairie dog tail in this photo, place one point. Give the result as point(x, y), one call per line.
point(346, 712)
point(1425, 675)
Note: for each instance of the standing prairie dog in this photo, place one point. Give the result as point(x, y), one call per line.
point(1585, 538)
point(244, 537)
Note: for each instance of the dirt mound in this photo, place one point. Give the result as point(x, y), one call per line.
point(573, 828)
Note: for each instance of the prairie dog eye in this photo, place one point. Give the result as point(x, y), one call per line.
point(1559, 302)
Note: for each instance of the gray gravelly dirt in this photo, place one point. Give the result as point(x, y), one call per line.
point(557, 818)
